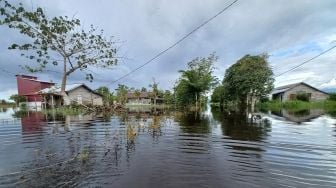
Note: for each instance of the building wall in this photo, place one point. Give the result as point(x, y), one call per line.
point(138, 102)
point(29, 87)
point(315, 94)
point(84, 96)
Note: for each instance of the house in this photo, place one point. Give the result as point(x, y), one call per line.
point(29, 86)
point(289, 92)
point(79, 94)
point(145, 98)
point(42, 94)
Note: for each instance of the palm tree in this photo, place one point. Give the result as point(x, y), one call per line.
point(155, 90)
point(122, 93)
point(137, 94)
point(199, 77)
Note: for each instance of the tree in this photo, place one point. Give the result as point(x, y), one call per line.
point(332, 97)
point(107, 95)
point(58, 41)
point(137, 94)
point(3, 101)
point(249, 79)
point(143, 89)
point(155, 90)
point(197, 80)
point(168, 97)
point(122, 93)
point(217, 95)
point(17, 99)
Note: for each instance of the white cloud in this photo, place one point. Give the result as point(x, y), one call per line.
point(7, 93)
point(330, 84)
point(147, 27)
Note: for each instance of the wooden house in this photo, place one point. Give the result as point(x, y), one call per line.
point(79, 94)
point(145, 98)
point(290, 92)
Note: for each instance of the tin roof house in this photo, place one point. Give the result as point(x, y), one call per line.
point(145, 98)
point(75, 94)
point(41, 94)
point(289, 92)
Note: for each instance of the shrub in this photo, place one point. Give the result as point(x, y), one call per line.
point(302, 97)
point(23, 106)
point(332, 97)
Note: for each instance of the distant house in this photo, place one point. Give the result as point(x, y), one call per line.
point(41, 94)
point(289, 92)
point(143, 99)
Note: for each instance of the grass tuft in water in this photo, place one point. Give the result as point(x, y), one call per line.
point(83, 155)
point(297, 105)
point(66, 110)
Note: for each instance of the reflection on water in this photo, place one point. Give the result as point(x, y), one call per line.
point(299, 116)
point(146, 148)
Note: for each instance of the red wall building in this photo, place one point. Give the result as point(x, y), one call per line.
point(29, 86)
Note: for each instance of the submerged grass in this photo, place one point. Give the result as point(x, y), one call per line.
point(66, 110)
point(296, 105)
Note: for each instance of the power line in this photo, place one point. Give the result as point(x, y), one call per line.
point(307, 61)
point(177, 42)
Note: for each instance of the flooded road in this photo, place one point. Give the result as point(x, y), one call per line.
point(167, 149)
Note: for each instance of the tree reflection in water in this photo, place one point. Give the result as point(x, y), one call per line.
point(193, 122)
point(236, 126)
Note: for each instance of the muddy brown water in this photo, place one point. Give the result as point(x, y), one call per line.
point(167, 149)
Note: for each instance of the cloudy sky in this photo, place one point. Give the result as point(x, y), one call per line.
point(289, 31)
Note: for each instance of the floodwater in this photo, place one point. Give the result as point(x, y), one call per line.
point(140, 148)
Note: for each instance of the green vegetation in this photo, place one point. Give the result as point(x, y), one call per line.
point(70, 110)
point(298, 105)
point(6, 104)
point(59, 40)
point(107, 95)
point(168, 97)
point(245, 82)
point(122, 91)
point(17, 99)
point(196, 81)
point(216, 97)
point(155, 90)
point(332, 97)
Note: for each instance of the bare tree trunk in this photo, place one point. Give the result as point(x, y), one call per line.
point(196, 100)
point(154, 99)
point(64, 79)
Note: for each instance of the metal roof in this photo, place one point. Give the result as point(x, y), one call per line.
point(284, 88)
point(68, 88)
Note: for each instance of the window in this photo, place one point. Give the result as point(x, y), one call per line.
point(79, 99)
point(292, 97)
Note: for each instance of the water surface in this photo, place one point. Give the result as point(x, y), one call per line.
point(168, 149)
